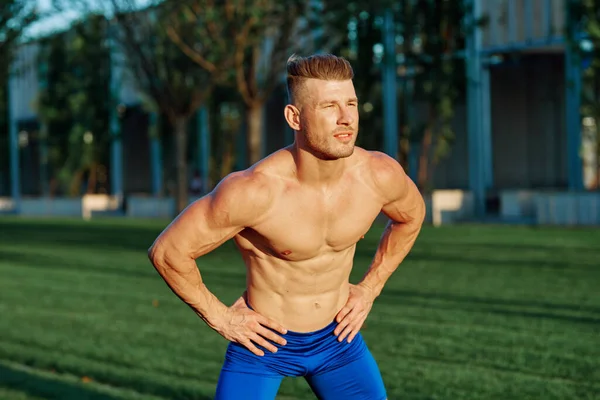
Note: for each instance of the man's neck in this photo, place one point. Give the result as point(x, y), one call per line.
point(312, 170)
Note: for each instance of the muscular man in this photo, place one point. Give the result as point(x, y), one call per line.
point(296, 217)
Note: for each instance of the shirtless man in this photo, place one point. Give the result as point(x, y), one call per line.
point(296, 217)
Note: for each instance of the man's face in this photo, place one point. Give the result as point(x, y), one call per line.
point(329, 117)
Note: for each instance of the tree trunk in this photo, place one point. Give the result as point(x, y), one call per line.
point(181, 139)
point(404, 151)
point(423, 175)
point(91, 184)
point(228, 159)
point(255, 131)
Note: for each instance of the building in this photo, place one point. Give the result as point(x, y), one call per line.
point(524, 157)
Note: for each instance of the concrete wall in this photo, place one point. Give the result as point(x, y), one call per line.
point(453, 171)
point(59, 207)
point(528, 128)
point(528, 131)
point(136, 152)
point(511, 25)
point(567, 209)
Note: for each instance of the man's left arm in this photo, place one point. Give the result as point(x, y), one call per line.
point(405, 207)
point(406, 210)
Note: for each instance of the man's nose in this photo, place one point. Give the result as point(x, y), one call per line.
point(346, 117)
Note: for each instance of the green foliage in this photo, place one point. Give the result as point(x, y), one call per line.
point(583, 34)
point(429, 35)
point(76, 100)
point(15, 16)
point(171, 83)
point(358, 25)
point(431, 38)
point(250, 41)
point(584, 28)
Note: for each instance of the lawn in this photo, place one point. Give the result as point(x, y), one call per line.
point(475, 312)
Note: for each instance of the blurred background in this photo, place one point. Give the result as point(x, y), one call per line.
point(116, 114)
point(131, 107)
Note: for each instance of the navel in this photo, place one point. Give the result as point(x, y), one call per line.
point(317, 305)
point(286, 253)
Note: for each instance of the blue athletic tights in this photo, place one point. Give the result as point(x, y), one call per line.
point(333, 370)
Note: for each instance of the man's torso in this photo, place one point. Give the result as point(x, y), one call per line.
point(299, 256)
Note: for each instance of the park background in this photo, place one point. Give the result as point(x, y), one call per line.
point(116, 114)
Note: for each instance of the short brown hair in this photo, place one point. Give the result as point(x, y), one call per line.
point(318, 66)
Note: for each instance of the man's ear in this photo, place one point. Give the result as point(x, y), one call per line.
point(292, 116)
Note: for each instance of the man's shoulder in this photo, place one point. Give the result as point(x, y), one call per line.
point(252, 184)
point(261, 179)
point(381, 164)
point(244, 194)
point(385, 171)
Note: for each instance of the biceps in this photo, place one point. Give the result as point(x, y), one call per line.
point(408, 207)
point(198, 230)
point(207, 238)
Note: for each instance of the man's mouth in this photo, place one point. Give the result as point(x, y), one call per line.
point(343, 135)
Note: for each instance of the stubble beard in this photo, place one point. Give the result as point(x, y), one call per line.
point(329, 148)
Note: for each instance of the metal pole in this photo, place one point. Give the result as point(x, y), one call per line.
point(43, 142)
point(155, 155)
point(115, 126)
point(573, 104)
point(486, 126)
point(390, 100)
point(15, 176)
point(476, 138)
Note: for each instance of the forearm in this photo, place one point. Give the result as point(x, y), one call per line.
point(395, 244)
point(183, 277)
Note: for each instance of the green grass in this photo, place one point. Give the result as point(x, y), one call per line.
point(475, 312)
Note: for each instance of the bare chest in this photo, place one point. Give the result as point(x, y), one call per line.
point(304, 224)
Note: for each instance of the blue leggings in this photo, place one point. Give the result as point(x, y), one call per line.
point(333, 370)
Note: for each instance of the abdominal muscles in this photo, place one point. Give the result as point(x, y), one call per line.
point(303, 295)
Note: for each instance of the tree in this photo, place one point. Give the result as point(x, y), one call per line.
point(169, 83)
point(583, 34)
point(358, 26)
point(174, 85)
point(15, 17)
point(261, 34)
point(428, 36)
point(432, 37)
point(74, 105)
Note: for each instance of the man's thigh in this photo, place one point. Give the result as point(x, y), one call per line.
point(247, 376)
point(247, 386)
point(359, 379)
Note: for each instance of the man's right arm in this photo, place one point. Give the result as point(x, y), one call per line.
point(239, 201)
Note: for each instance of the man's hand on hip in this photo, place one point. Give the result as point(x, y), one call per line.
point(352, 316)
point(242, 325)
